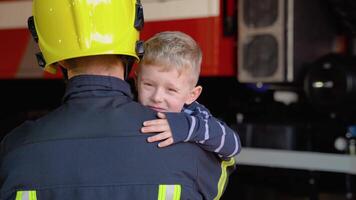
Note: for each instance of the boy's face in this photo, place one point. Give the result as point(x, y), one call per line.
point(165, 91)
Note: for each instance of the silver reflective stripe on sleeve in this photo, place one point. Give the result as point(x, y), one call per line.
point(169, 192)
point(26, 195)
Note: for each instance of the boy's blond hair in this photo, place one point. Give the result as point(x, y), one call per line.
point(173, 50)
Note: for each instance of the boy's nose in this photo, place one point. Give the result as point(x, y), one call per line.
point(157, 96)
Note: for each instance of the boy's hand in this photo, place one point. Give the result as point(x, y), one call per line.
point(162, 127)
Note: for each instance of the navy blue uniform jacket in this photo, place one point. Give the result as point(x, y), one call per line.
point(91, 148)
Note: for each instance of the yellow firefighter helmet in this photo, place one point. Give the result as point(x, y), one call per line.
point(75, 28)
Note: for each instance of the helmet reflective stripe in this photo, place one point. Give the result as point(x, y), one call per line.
point(26, 195)
point(76, 28)
point(169, 192)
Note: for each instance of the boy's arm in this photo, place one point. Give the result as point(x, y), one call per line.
point(196, 124)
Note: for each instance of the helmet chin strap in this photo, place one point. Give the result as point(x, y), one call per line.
point(128, 66)
point(64, 73)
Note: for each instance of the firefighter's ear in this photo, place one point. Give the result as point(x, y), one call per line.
point(194, 94)
point(63, 64)
point(69, 63)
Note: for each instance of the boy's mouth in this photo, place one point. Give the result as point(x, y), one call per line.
point(158, 109)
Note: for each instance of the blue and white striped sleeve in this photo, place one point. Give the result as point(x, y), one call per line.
point(196, 124)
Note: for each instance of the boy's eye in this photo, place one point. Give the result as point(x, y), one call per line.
point(147, 84)
point(172, 90)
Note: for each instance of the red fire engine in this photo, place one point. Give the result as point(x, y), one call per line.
point(202, 19)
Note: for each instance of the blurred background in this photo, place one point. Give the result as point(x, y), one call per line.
point(280, 72)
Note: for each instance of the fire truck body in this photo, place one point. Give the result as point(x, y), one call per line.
point(202, 19)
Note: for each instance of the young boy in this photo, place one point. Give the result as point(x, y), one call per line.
point(166, 81)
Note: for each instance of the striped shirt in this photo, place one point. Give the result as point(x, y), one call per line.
point(196, 124)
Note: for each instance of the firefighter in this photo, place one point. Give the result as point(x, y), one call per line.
point(91, 146)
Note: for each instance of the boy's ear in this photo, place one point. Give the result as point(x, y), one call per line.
point(194, 94)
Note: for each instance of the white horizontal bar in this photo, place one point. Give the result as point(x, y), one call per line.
point(297, 160)
point(160, 10)
point(14, 14)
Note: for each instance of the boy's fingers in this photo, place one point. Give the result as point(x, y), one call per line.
point(155, 128)
point(166, 143)
point(154, 122)
point(161, 115)
point(159, 137)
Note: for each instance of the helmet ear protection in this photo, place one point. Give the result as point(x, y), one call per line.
point(73, 28)
point(32, 29)
point(139, 22)
point(139, 19)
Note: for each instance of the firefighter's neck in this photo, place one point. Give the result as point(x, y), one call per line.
point(104, 65)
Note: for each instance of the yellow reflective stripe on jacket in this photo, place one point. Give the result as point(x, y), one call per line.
point(169, 192)
point(222, 180)
point(177, 192)
point(26, 195)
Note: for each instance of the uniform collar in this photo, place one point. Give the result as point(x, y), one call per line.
point(94, 85)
